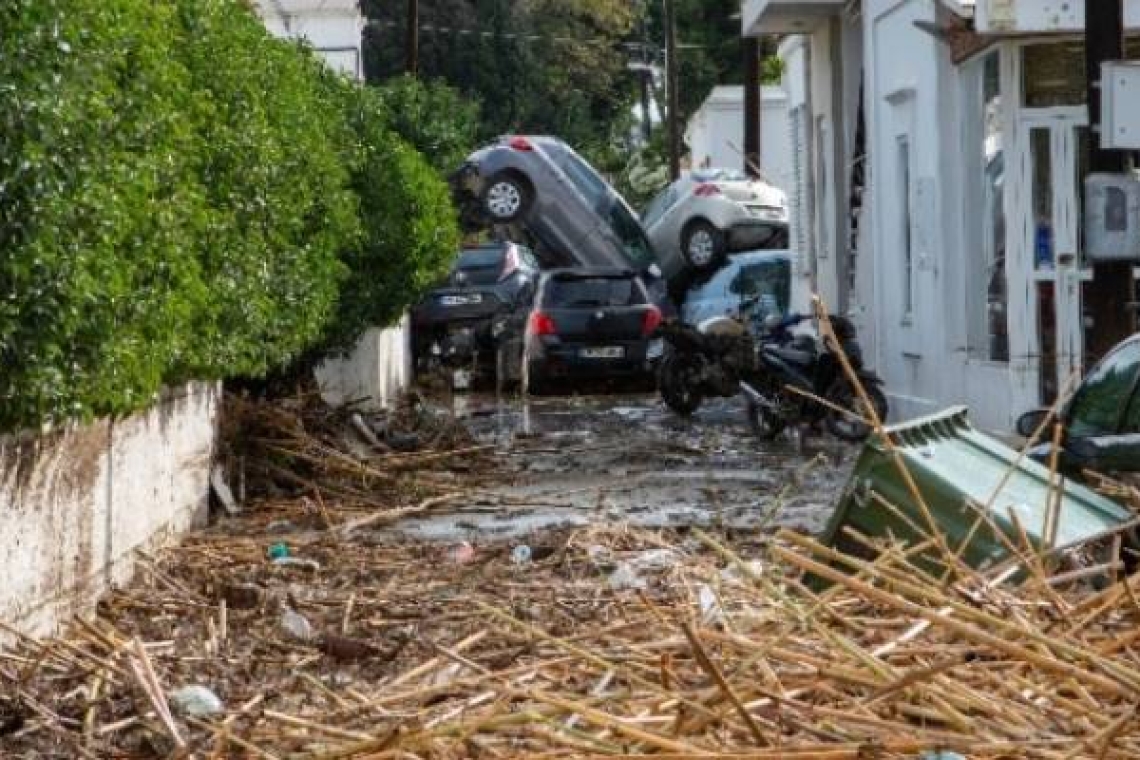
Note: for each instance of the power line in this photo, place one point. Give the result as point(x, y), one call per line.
point(524, 37)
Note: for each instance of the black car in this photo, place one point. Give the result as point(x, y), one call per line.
point(1102, 420)
point(487, 295)
point(591, 323)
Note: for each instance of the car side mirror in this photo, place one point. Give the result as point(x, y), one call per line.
point(1030, 422)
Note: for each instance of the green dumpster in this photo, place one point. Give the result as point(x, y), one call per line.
point(957, 469)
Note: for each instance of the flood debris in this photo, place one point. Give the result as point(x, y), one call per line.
point(608, 640)
point(720, 649)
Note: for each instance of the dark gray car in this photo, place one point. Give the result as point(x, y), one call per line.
point(1102, 420)
point(540, 184)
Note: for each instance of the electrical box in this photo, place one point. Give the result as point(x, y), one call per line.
point(1112, 217)
point(1120, 105)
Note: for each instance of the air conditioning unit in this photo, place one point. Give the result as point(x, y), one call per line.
point(1112, 217)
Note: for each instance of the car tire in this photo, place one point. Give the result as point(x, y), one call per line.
point(508, 365)
point(675, 385)
point(533, 382)
point(506, 197)
point(844, 396)
point(702, 246)
point(764, 423)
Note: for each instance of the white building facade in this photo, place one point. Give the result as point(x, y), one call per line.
point(715, 132)
point(944, 150)
point(333, 27)
point(379, 369)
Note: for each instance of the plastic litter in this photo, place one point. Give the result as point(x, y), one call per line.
point(709, 604)
point(197, 701)
point(277, 551)
point(654, 559)
point(296, 625)
point(521, 555)
point(462, 553)
point(626, 577)
point(308, 564)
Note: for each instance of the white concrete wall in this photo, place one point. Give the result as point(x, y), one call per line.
point(76, 504)
point(715, 133)
point(333, 27)
point(1027, 16)
point(379, 368)
point(793, 51)
point(374, 373)
point(907, 101)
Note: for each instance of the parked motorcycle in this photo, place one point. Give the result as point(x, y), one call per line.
point(725, 356)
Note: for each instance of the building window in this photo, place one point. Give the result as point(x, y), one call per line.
point(903, 158)
point(1041, 158)
point(802, 213)
point(984, 207)
point(1053, 74)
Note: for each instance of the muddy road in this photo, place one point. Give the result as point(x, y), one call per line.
point(573, 461)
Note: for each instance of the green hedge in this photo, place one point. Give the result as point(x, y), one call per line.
point(183, 196)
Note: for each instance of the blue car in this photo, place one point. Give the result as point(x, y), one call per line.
point(766, 274)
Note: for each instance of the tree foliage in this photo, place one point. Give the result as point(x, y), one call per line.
point(183, 196)
point(432, 117)
point(536, 66)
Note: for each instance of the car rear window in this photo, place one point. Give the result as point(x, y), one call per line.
point(594, 292)
point(481, 258)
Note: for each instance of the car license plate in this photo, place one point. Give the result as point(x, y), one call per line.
point(464, 300)
point(765, 213)
point(603, 352)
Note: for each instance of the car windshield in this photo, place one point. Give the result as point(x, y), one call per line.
point(594, 292)
point(1097, 407)
point(769, 281)
point(658, 206)
point(580, 173)
point(479, 258)
point(632, 236)
point(719, 175)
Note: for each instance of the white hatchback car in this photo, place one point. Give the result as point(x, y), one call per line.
point(697, 220)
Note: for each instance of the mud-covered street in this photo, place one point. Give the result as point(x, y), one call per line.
point(578, 460)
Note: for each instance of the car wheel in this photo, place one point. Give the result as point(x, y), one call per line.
point(508, 365)
point(702, 245)
point(678, 384)
point(765, 423)
point(506, 198)
point(845, 427)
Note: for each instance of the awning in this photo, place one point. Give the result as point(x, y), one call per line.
point(786, 16)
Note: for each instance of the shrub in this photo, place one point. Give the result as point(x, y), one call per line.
point(410, 229)
point(434, 118)
point(183, 196)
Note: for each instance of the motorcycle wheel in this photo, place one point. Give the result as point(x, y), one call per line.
point(844, 396)
point(673, 382)
point(765, 423)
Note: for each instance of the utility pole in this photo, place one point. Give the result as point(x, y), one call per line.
point(674, 115)
point(752, 106)
point(412, 40)
point(1112, 291)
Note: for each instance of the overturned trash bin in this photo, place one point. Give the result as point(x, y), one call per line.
point(957, 470)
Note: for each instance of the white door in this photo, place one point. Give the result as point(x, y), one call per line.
point(1055, 151)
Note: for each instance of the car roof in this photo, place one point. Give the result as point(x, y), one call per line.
point(570, 273)
point(753, 257)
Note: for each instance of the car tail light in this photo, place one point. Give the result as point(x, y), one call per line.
point(510, 263)
point(520, 143)
point(541, 324)
point(651, 321)
point(706, 190)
